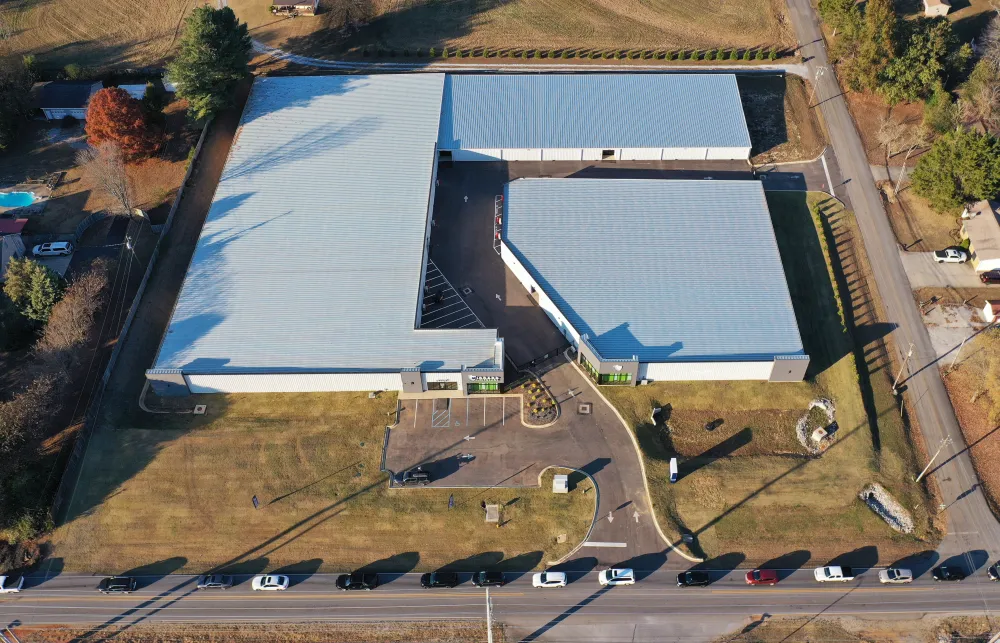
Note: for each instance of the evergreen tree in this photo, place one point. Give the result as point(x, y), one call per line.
point(877, 45)
point(212, 60)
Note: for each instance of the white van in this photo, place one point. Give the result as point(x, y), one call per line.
point(673, 469)
point(54, 249)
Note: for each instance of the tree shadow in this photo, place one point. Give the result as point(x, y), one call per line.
point(151, 572)
point(566, 614)
point(49, 569)
point(313, 483)
point(486, 561)
point(919, 563)
point(644, 564)
point(519, 565)
point(393, 567)
point(860, 560)
point(970, 561)
point(787, 564)
point(576, 568)
point(244, 570)
point(300, 571)
point(720, 566)
point(595, 466)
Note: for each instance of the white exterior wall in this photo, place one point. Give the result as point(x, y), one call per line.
point(58, 114)
point(575, 154)
point(985, 265)
point(728, 153)
point(544, 302)
point(684, 153)
point(641, 154)
point(532, 154)
point(590, 154)
point(715, 371)
point(441, 377)
point(476, 155)
point(293, 382)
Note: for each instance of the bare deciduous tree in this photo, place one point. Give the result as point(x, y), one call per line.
point(989, 42)
point(72, 318)
point(105, 163)
point(982, 104)
point(890, 135)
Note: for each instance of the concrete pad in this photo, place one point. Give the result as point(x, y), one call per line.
point(58, 265)
point(924, 272)
point(950, 325)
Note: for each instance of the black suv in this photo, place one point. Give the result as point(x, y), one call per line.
point(415, 476)
point(693, 579)
point(357, 580)
point(215, 581)
point(488, 579)
point(117, 585)
point(947, 573)
point(439, 579)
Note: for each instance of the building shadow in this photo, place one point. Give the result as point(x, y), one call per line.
point(787, 564)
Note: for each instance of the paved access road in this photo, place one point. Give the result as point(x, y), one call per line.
point(971, 525)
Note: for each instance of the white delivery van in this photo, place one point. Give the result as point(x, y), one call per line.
point(673, 469)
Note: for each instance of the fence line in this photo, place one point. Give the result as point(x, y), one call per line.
point(90, 418)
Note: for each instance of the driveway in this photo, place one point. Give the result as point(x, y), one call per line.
point(924, 272)
point(507, 453)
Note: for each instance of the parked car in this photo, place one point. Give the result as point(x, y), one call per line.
point(11, 584)
point(895, 576)
point(488, 579)
point(439, 579)
point(415, 477)
point(945, 573)
point(693, 578)
point(117, 585)
point(833, 573)
point(990, 277)
point(357, 581)
point(269, 583)
point(548, 579)
point(762, 577)
point(994, 572)
point(215, 581)
point(615, 577)
point(54, 249)
point(951, 255)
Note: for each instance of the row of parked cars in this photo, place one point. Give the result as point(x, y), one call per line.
point(368, 581)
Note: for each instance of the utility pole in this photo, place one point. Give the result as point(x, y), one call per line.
point(906, 361)
point(812, 93)
point(945, 442)
point(489, 618)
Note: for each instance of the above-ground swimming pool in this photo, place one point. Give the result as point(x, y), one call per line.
point(16, 199)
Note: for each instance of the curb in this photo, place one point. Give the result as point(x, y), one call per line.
point(642, 464)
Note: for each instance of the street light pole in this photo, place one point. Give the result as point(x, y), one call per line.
point(945, 442)
point(489, 618)
point(906, 361)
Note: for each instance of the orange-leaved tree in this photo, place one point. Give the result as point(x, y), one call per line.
point(113, 115)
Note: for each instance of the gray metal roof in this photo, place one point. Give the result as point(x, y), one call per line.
point(666, 270)
point(310, 259)
point(591, 111)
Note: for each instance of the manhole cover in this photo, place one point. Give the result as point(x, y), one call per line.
point(584, 409)
point(466, 290)
point(199, 409)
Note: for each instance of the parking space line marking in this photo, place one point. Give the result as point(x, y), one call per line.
point(415, 405)
point(503, 413)
point(484, 412)
point(466, 411)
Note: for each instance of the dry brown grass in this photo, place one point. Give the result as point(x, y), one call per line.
point(96, 33)
point(848, 629)
point(782, 126)
point(367, 632)
point(916, 224)
point(522, 23)
point(175, 491)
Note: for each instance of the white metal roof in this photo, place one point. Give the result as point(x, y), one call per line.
point(310, 258)
point(596, 111)
point(666, 270)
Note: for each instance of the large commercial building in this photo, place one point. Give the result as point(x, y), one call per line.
point(309, 272)
point(657, 280)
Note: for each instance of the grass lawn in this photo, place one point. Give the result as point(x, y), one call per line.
point(174, 492)
point(346, 25)
point(782, 126)
point(750, 486)
point(918, 226)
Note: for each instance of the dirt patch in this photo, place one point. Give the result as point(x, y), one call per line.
point(867, 110)
point(975, 297)
point(782, 125)
point(847, 629)
point(345, 25)
point(917, 226)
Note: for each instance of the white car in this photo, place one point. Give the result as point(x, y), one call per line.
point(54, 249)
point(895, 576)
point(10, 584)
point(269, 583)
point(548, 579)
point(951, 255)
point(616, 577)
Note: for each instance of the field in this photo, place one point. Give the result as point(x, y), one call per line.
point(915, 224)
point(749, 488)
point(96, 33)
point(856, 630)
point(782, 126)
point(348, 24)
point(173, 492)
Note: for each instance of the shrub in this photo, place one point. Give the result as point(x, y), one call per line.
point(773, 54)
point(759, 55)
point(33, 288)
point(419, 53)
point(669, 54)
point(75, 71)
point(379, 52)
point(565, 54)
point(746, 55)
point(734, 55)
point(444, 52)
point(710, 54)
point(487, 53)
point(366, 52)
point(432, 53)
point(406, 53)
